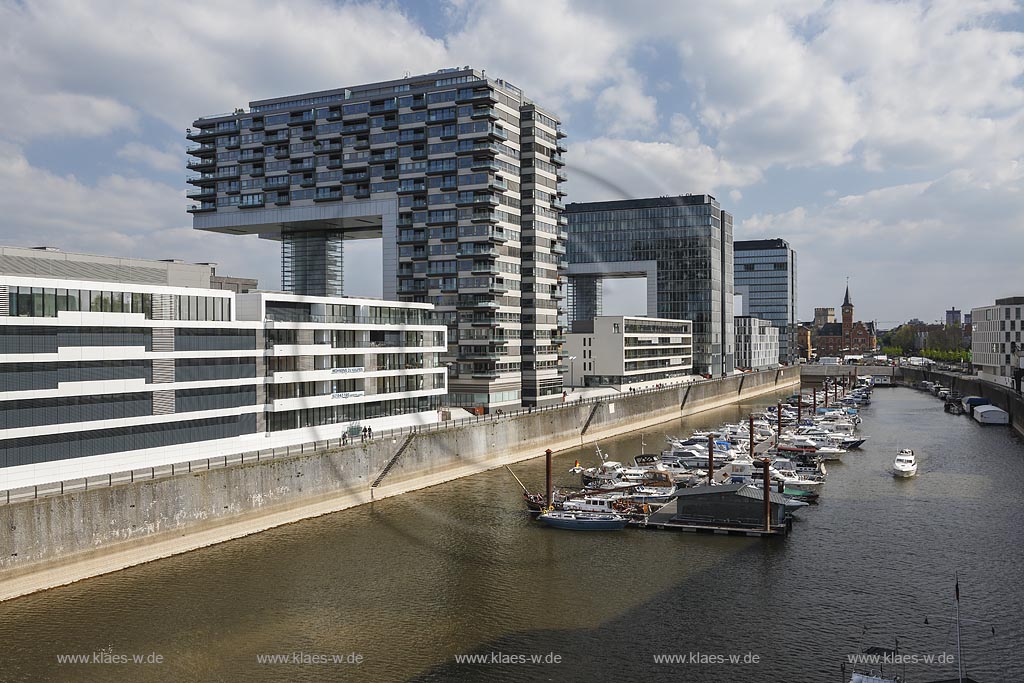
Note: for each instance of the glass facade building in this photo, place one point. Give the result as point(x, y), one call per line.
point(683, 245)
point(457, 172)
point(766, 279)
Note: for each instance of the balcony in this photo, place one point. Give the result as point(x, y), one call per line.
point(335, 163)
point(252, 205)
point(362, 193)
point(560, 146)
point(197, 134)
point(257, 124)
point(302, 120)
point(349, 178)
point(200, 164)
point(389, 124)
point(205, 149)
point(478, 355)
point(418, 154)
point(486, 165)
point(483, 95)
point(418, 103)
point(414, 238)
point(307, 182)
point(389, 174)
point(560, 174)
point(361, 143)
point(557, 205)
point(469, 252)
point(202, 193)
point(485, 113)
point(282, 199)
point(202, 208)
point(281, 153)
point(308, 134)
point(203, 179)
point(328, 197)
point(254, 155)
point(485, 269)
point(334, 115)
point(411, 189)
point(479, 149)
point(479, 304)
point(353, 128)
point(558, 249)
point(557, 160)
point(497, 288)
point(486, 217)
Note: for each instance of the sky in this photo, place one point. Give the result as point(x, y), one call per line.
point(884, 141)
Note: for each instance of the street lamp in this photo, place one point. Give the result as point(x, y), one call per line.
point(572, 370)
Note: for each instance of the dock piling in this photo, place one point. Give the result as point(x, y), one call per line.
point(547, 481)
point(751, 428)
point(767, 496)
point(711, 457)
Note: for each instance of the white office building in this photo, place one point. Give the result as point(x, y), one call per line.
point(757, 343)
point(996, 340)
point(108, 365)
point(626, 351)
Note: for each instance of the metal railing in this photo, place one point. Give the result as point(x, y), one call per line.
point(26, 493)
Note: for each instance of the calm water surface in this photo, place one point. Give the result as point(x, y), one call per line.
point(409, 583)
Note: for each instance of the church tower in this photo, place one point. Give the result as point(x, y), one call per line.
point(847, 319)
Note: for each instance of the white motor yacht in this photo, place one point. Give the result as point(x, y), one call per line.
point(905, 464)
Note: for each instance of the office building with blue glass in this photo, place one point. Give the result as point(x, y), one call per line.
point(682, 245)
point(765, 278)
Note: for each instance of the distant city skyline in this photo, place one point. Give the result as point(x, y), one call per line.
point(878, 154)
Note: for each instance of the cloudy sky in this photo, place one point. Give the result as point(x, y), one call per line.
point(885, 141)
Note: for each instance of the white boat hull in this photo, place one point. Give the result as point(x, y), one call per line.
point(904, 472)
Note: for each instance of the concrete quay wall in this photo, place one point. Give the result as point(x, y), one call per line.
point(971, 385)
point(55, 540)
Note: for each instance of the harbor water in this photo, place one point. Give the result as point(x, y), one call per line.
point(458, 582)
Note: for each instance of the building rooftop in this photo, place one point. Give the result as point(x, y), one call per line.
point(1010, 301)
point(623, 204)
point(751, 245)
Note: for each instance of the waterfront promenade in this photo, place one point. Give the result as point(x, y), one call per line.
point(60, 538)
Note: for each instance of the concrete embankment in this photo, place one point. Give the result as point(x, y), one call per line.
point(970, 385)
point(55, 540)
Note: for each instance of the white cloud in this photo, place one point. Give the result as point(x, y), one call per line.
point(616, 168)
point(116, 215)
point(624, 108)
point(954, 240)
point(169, 159)
point(176, 61)
point(558, 52)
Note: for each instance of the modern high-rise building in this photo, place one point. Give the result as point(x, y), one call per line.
point(109, 365)
point(757, 343)
point(766, 278)
point(683, 245)
point(629, 352)
point(997, 349)
point(457, 172)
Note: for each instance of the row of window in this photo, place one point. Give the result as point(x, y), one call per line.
point(46, 302)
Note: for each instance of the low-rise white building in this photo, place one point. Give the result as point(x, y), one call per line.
point(996, 340)
point(629, 351)
point(99, 376)
point(757, 343)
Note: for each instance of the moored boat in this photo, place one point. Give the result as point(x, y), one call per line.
point(583, 521)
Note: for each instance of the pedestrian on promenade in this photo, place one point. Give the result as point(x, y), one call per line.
point(363, 437)
point(369, 432)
